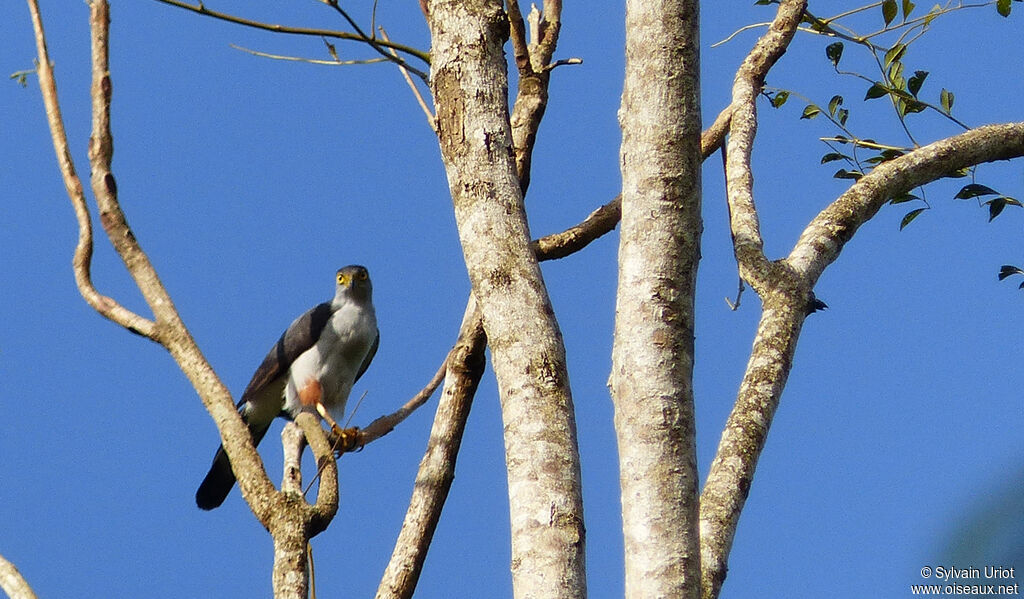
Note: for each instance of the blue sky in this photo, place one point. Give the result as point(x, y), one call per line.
point(250, 181)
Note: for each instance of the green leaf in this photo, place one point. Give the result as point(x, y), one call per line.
point(876, 91)
point(913, 107)
point(1003, 7)
point(974, 190)
point(995, 207)
point(893, 54)
point(946, 100)
point(810, 112)
point(910, 216)
point(1008, 270)
point(934, 12)
point(834, 52)
point(833, 156)
point(903, 197)
point(845, 174)
point(914, 83)
point(780, 98)
point(908, 7)
point(834, 103)
point(842, 115)
point(889, 11)
point(895, 76)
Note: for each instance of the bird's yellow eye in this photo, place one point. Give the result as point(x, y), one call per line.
point(343, 278)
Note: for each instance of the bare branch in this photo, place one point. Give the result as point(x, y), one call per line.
point(465, 366)
point(12, 582)
point(82, 262)
point(335, 62)
point(373, 43)
point(168, 328)
point(293, 443)
point(385, 424)
point(731, 474)
point(532, 60)
point(550, 26)
point(747, 242)
point(342, 35)
point(325, 507)
point(431, 120)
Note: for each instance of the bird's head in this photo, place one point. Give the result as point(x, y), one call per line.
point(353, 283)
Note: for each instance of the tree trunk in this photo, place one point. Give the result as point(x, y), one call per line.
point(469, 83)
point(652, 355)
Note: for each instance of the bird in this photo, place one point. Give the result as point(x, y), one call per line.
point(312, 367)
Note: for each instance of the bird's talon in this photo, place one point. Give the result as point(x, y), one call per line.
point(348, 439)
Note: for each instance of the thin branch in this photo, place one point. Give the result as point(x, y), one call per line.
point(464, 367)
point(550, 26)
point(385, 424)
point(373, 43)
point(431, 119)
point(335, 62)
point(82, 261)
point(343, 35)
point(739, 31)
point(13, 583)
point(573, 239)
point(563, 62)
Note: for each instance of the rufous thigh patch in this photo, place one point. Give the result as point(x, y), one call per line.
point(309, 394)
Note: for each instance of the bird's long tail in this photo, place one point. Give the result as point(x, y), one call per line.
point(218, 482)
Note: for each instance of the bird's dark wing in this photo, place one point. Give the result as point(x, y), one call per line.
point(369, 356)
point(266, 386)
point(301, 335)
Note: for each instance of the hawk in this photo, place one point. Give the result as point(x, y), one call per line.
point(311, 367)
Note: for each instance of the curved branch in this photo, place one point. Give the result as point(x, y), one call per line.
point(13, 583)
point(167, 328)
point(743, 221)
point(825, 236)
point(82, 261)
point(325, 507)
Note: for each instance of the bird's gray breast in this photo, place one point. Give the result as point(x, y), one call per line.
point(334, 360)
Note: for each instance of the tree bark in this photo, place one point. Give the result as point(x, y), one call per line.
point(469, 84)
point(652, 354)
point(13, 583)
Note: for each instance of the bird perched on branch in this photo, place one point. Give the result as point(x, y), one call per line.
point(312, 367)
